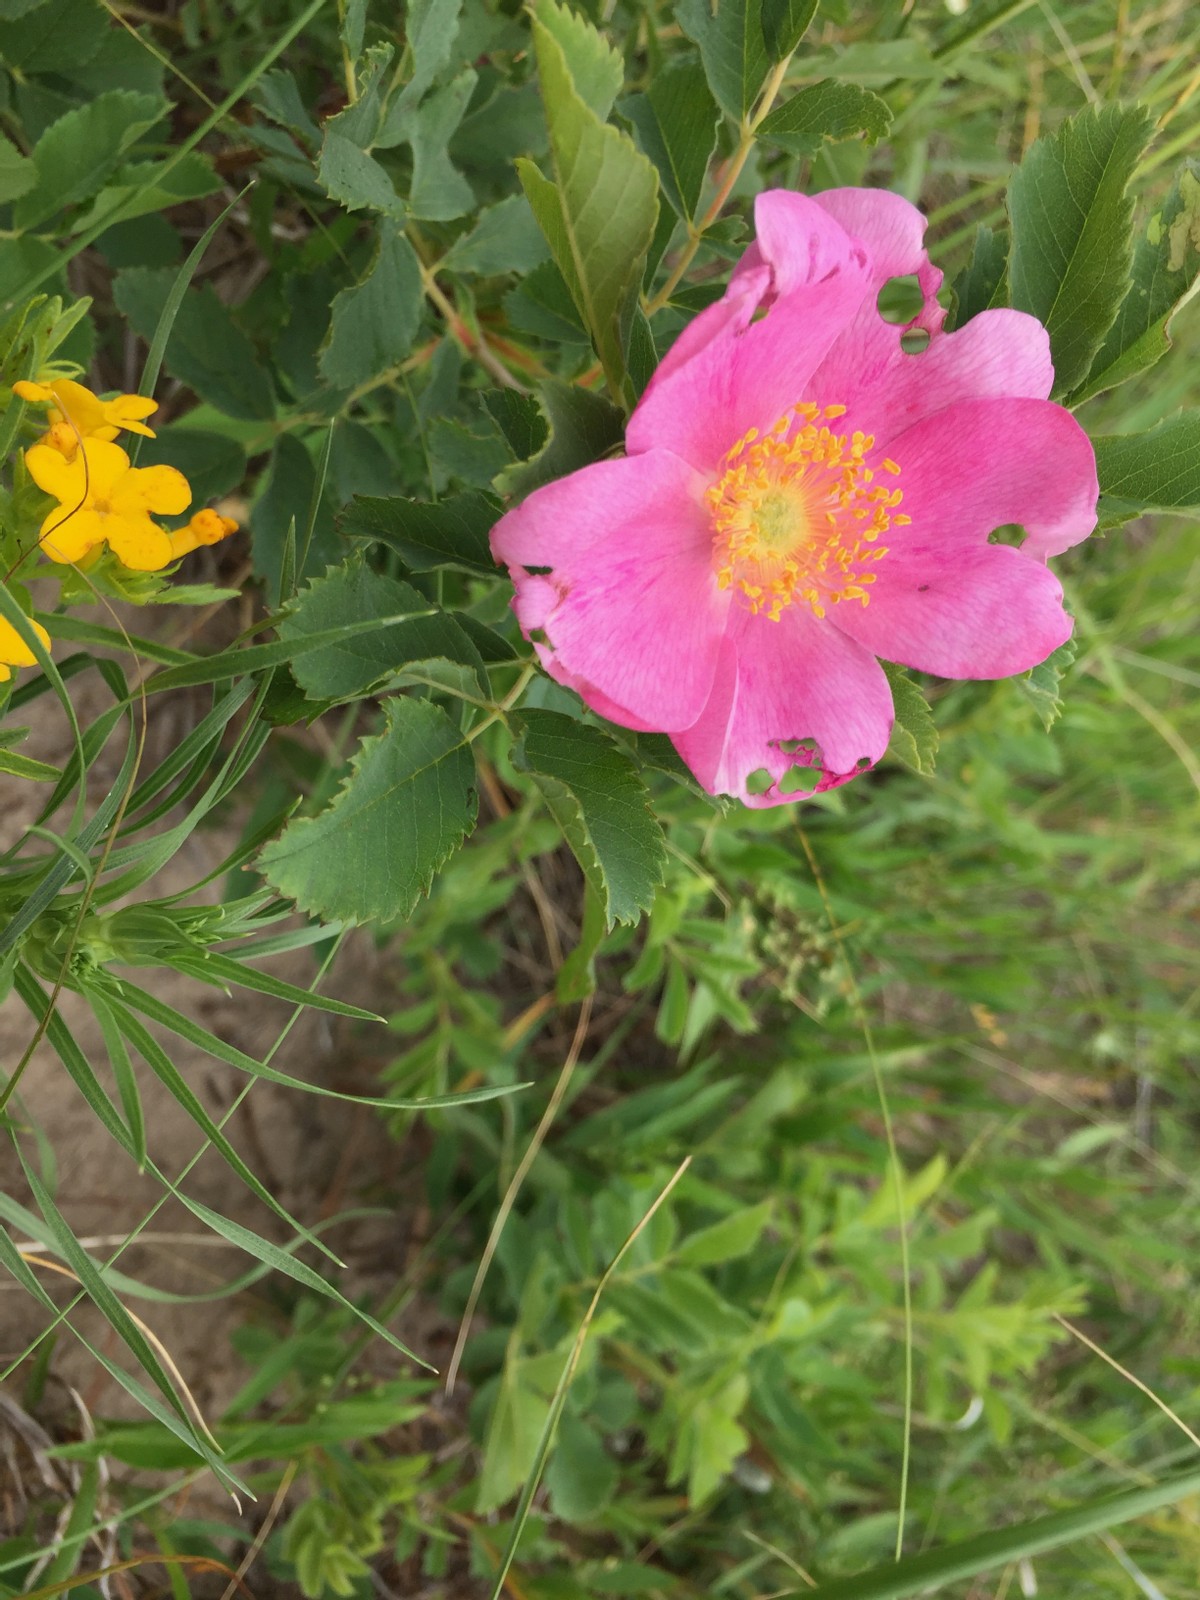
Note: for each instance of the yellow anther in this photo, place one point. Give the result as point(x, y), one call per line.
point(794, 515)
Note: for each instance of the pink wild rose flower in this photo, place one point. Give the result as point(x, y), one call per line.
point(799, 498)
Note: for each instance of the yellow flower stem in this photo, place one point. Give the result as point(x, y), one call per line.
point(731, 174)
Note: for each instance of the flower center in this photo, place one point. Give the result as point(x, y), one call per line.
point(796, 514)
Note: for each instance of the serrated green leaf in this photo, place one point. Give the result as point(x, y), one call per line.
point(356, 593)
point(676, 122)
point(77, 152)
point(54, 37)
point(1041, 685)
point(1166, 274)
point(582, 427)
point(520, 419)
point(277, 96)
point(542, 305)
point(914, 738)
point(212, 463)
point(430, 29)
point(825, 112)
point(18, 174)
point(206, 349)
point(374, 323)
point(505, 238)
point(596, 69)
point(732, 47)
point(353, 27)
point(451, 533)
point(581, 1476)
point(983, 282)
point(405, 808)
point(1154, 471)
point(1071, 249)
point(439, 191)
point(599, 214)
point(784, 24)
point(352, 177)
point(599, 801)
point(145, 187)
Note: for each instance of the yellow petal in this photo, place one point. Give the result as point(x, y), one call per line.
point(183, 542)
point(51, 471)
point(128, 410)
point(13, 649)
point(61, 436)
point(161, 489)
point(108, 471)
point(78, 405)
point(210, 527)
point(139, 543)
point(37, 393)
point(5, 674)
point(68, 536)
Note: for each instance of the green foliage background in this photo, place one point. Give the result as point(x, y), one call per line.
point(927, 1044)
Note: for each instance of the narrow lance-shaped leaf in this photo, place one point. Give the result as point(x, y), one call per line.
point(405, 808)
point(932, 1570)
point(601, 804)
point(1071, 219)
point(599, 213)
point(1166, 274)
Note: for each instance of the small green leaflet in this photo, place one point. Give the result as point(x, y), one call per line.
point(1071, 220)
point(1041, 685)
point(355, 593)
point(598, 214)
point(597, 798)
point(596, 69)
point(914, 738)
point(450, 533)
point(732, 48)
point(983, 282)
point(406, 806)
point(784, 24)
point(580, 427)
point(676, 121)
point(374, 323)
point(1166, 274)
point(1158, 470)
point(826, 111)
point(77, 153)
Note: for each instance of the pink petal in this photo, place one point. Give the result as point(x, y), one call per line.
point(892, 229)
point(631, 611)
point(983, 612)
point(738, 374)
point(886, 390)
point(979, 465)
point(795, 679)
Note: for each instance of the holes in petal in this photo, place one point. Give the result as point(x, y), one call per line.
point(914, 340)
point(900, 299)
point(1010, 533)
point(759, 781)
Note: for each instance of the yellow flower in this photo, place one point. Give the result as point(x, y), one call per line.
point(206, 527)
point(75, 413)
point(14, 652)
point(101, 497)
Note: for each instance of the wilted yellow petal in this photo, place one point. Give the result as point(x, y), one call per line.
point(210, 527)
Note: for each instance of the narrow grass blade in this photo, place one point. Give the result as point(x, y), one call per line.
point(933, 1569)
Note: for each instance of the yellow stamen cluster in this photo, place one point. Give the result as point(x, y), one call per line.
point(796, 514)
